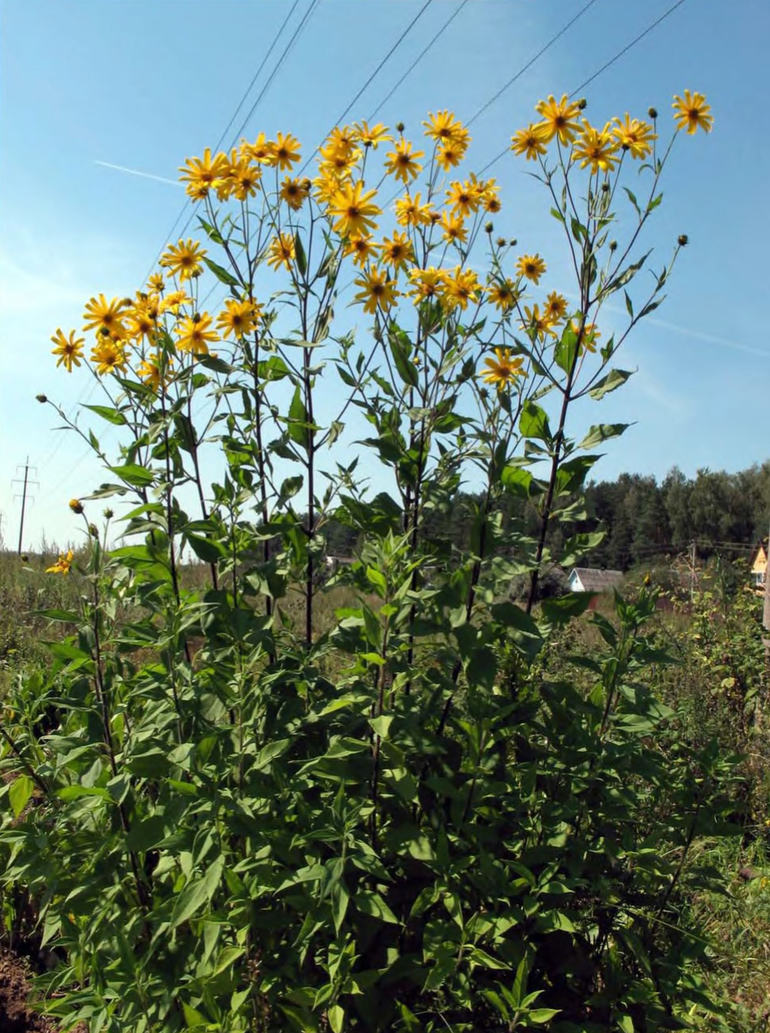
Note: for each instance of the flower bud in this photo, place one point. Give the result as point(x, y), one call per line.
point(488, 227)
point(108, 514)
point(683, 240)
point(513, 242)
point(582, 104)
point(76, 505)
point(41, 398)
point(93, 530)
point(605, 187)
point(653, 113)
point(399, 127)
point(500, 242)
point(613, 245)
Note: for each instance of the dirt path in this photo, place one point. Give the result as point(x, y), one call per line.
point(15, 1016)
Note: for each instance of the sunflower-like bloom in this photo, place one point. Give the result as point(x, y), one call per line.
point(239, 318)
point(377, 290)
point(555, 307)
point(294, 192)
point(465, 198)
point(591, 335)
point(503, 294)
point(410, 211)
point(530, 266)
point(183, 259)
point(63, 564)
point(597, 148)
point(402, 163)
point(445, 128)
point(692, 112)
point(397, 251)
point(531, 142)
point(503, 369)
point(536, 323)
point(361, 247)
point(460, 287)
point(634, 136)
point(371, 136)
point(281, 251)
point(353, 211)
point(104, 316)
point(68, 349)
point(261, 150)
point(108, 356)
point(154, 371)
point(449, 155)
point(243, 178)
point(201, 174)
point(453, 228)
point(559, 118)
point(156, 283)
point(195, 334)
point(426, 283)
point(286, 151)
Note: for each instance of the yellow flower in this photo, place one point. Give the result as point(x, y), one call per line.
point(142, 319)
point(536, 323)
point(555, 307)
point(183, 259)
point(149, 371)
point(69, 349)
point(244, 178)
point(156, 283)
point(371, 136)
point(361, 248)
point(531, 141)
point(174, 301)
point(353, 211)
point(502, 294)
point(465, 198)
point(460, 287)
point(410, 211)
point(590, 335)
point(490, 196)
point(426, 283)
point(402, 163)
point(597, 148)
point(397, 250)
point(62, 565)
point(201, 173)
point(281, 251)
point(453, 228)
point(449, 155)
point(377, 290)
point(503, 369)
point(294, 192)
point(286, 151)
point(195, 334)
point(76, 506)
point(560, 118)
point(238, 319)
point(692, 111)
point(108, 356)
point(634, 136)
point(531, 266)
point(444, 127)
point(261, 150)
point(102, 315)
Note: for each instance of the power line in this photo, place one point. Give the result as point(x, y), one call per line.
point(604, 67)
point(276, 67)
point(532, 60)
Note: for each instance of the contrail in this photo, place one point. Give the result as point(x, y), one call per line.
point(136, 172)
point(710, 338)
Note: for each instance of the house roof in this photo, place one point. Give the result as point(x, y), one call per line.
point(594, 580)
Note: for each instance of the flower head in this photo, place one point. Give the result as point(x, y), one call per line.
point(62, 565)
point(76, 505)
point(377, 290)
point(402, 163)
point(108, 356)
point(294, 192)
point(397, 250)
point(503, 369)
point(530, 266)
point(692, 112)
point(410, 211)
point(559, 118)
point(460, 287)
point(353, 211)
point(634, 136)
point(104, 316)
point(195, 334)
point(502, 294)
point(597, 148)
point(361, 247)
point(286, 151)
point(531, 142)
point(153, 371)
point(281, 251)
point(371, 136)
point(183, 259)
point(69, 349)
point(238, 318)
point(445, 128)
point(202, 173)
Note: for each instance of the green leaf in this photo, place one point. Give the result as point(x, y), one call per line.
point(299, 255)
point(197, 893)
point(336, 1017)
point(533, 422)
point(562, 610)
point(211, 232)
point(146, 833)
point(371, 903)
point(19, 793)
point(76, 791)
point(614, 379)
point(517, 480)
point(298, 421)
point(399, 349)
point(603, 432)
point(578, 545)
point(108, 413)
point(541, 1015)
point(566, 349)
point(221, 273)
point(133, 474)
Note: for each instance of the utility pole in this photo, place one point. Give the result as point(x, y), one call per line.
point(26, 481)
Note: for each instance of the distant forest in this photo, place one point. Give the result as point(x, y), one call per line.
point(725, 514)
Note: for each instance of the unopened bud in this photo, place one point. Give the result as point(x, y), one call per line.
point(613, 245)
point(399, 127)
point(488, 227)
point(582, 103)
point(42, 398)
point(653, 113)
point(513, 242)
point(196, 317)
point(683, 240)
point(108, 514)
point(605, 187)
point(500, 242)
point(93, 530)
point(76, 505)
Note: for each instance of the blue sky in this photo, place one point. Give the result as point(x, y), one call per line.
point(143, 84)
